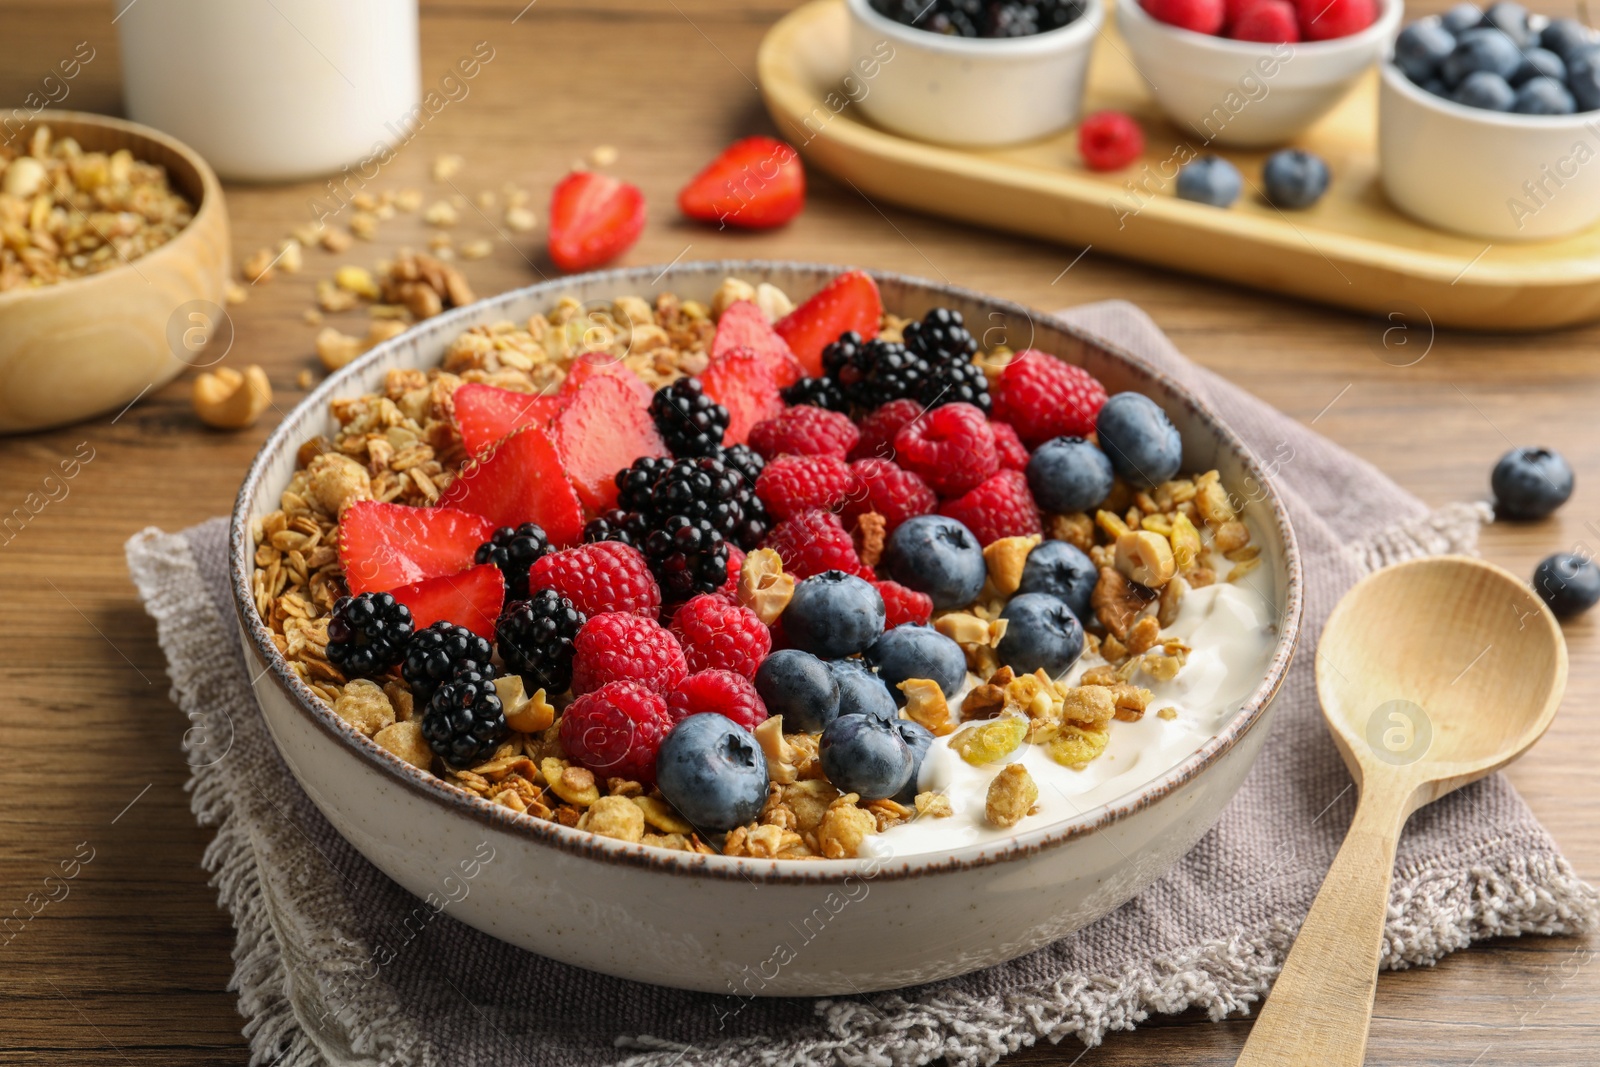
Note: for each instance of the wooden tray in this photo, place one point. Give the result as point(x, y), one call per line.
point(1352, 250)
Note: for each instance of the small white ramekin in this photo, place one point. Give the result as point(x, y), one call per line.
point(976, 92)
point(1485, 173)
point(1248, 93)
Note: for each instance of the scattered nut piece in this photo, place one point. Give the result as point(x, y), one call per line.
point(779, 753)
point(763, 586)
point(25, 176)
point(332, 299)
point(335, 240)
point(1111, 523)
point(357, 280)
point(446, 165)
point(478, 249)
point(229, 400)
point(1006, 557)
point(257, 267)
point(1212, 500)
point(1231, 536)
point(364, 224)
point(290, 256)
point(520, 219)
point(1076, 529)
point(926, 705)
point(408, 199)
point(1143, 635)
point(1146, 558)
point(441, 213)
point(1116, 602)
point(336, 349)
point(364, 705)
point(235, 293)
point(870, 535)
point(983, 702)
point(1012, 794)
point(405, 740)
point(1131, 701)
point(616, 817)
point(603, 155)
point(1171, 601)
point(731, 291)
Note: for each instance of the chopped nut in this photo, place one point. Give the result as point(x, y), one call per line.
point(290, 256)
point(1130, 701)
point(520, 220)
point(1116, 602)
point(364, 224)
point(446, 165)
point(336, 481)
point(844, 827)
point(230, 400)
point(336, 349)
point(926, 705)
point(525, 714)
point(1088, 705)
point(616, 817)
point(365, 706)
point(1005, 558)
point(1108, 521)
point(405, 740)
point(332, 299)
point(381, 330)
point(933, 805)
point(978, 637)
point(478, 249)
point(408, 199)
point(603, 155)
point(24, 177)
point(357, 280)
point(1146, 558)
point(660, 815)
point(440, 213)
point(1201, 577)
point(575, 785)
point(1012, 794)
point(991, 741)
point(258, 265)
point(1076, 529)
point(235, 293)
point(335, 240)
point(780, 755)
point(763, 587)
point(983, 702)
point(1078, 745)
point(1162, 668)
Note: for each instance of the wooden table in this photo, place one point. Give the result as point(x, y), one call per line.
point(132, 966)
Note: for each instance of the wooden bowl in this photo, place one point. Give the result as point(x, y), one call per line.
point(90, 345)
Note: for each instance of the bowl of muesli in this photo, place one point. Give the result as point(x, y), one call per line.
point(757, 620)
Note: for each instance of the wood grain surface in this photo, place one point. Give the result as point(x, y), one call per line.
point(130, 963)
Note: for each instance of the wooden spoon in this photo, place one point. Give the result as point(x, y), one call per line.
point(1431, 674)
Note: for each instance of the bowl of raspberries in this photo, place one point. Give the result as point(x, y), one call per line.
point(678, 594)
point(978, 73)
point(1486, 122)
point(1253, 72)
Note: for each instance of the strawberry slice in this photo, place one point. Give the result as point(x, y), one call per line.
point(521, 480)
point(744, 325)
point(472, 599)
point(594, 364)
point(756, 184)
point(485, 414)
point(594, 218)
point(742, 381)
point(603, 429)
point(382, 546)
point(849, 302)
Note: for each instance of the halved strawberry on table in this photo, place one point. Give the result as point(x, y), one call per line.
point(849, 302)
point(385, 546)
point(755, 184)
point(470, 598)
point(742, 381)
point(485, 414)
point(604, 428)
point(521, 480)
point(594, 218)
point(744, 325)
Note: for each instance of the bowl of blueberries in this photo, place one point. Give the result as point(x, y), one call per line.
point(976, 73)
point(1489, 121)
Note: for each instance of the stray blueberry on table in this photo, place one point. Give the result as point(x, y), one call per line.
point(1530, 483)
point(939, 556)
point(1294, 179)
point(801, 688)
point(865, 755)
point(918, 652)
point(1143, 445)
point(1568, 583)
point(711, 769)
point(367, 634)
point(1067, 474)
point(834, 614)
point(861, 692)
point(1210, 180)
point(918, 739)
point(1041, 632)
point(1062, 570)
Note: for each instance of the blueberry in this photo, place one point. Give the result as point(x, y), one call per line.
point(1568, 582)
point(1538, 62)
point(1421, 47)
point(1069, 474)
point(1565, 37)
point(712, 770)
point(1461, 18)
point(1583, 78)
point(1294, 178)
point(1543, 96)
point(1481, 50)
point(1530, 483)
point(1041, 631)
point(1436, 87)
point(864, 755)
point(1143, 444)
point(918, 652)
point(801, 688)
point(1482, 89)
point(861, 692)
point(918, 739)
point(1210, 180)
point(834, 614)
point(938, 556)
point(1510, 19)
point(1062, 570)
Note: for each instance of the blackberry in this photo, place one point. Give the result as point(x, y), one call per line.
point(703, 489)
point(535, 640)
point(691, 423)
point(875, 372)
point(941, 337)
point(636, 484)
point(688, 556)
point(514, 549)
point(435, 655)
point(367, 634)
point(1054, 14)
point(465, 722)
point(956, 383)
point(616, 525)
point(744, 460)
point(818, 392)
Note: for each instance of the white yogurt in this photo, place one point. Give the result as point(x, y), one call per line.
point(1231, 629)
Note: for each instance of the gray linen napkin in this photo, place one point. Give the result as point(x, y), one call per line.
point(327, 973)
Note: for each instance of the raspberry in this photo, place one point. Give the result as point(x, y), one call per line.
point(904, 605)
point(723, 692)
point(878, 429)
point(812, 542)
point(717, 635)
point(730, 589)
point(1269, 21)
point(1043, 397)
point(1323, 20)
point(617, 730)
point(891, 491)
point(1009, 447)
point(792, 484)
point(804, 431)
point(1109, 140)
point(600, 577)
point(951, 447)
point(1201, 16)
point(619, 647)
point(1000, 507)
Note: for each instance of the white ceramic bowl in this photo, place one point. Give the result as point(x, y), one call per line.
point(1487, 174)
point(1243, 92)
point(978, 92)
point(745, 926)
